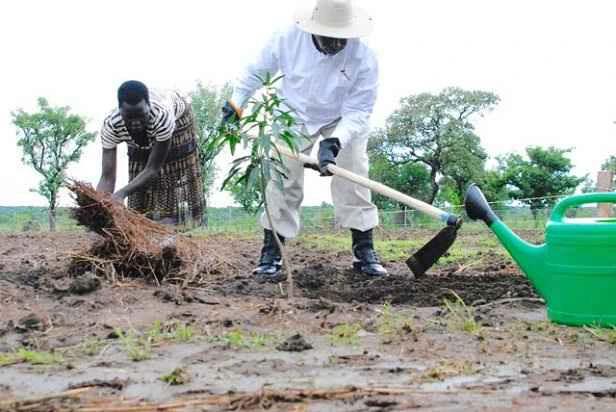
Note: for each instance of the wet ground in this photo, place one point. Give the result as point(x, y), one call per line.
point(344, 343)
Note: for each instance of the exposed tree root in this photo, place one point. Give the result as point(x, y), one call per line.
point(132, 245)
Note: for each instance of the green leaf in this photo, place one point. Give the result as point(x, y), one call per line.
point(240, 160)
point(229, 177)
point(276, 79)
point(252, 178)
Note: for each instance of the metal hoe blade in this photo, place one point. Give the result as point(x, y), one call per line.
point(432, 251)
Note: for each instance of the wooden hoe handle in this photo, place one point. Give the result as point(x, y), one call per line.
point(376, 187)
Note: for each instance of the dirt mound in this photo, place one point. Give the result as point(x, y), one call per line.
point(348, 286)
point(344, 285)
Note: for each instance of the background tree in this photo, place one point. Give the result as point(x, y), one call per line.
point(590, 185)
point(412, 179)
point(437, 131)
point(207, 102)
point(51, 139)
point(609, 164)
point(493, 186)
point(540, 178)
point(463, 163)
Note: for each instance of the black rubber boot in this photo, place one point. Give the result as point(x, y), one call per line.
point(271, 259)
point(365, 259)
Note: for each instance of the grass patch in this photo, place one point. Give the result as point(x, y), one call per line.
point(138, 348)
point(389, 250)
point(400, 249)
point(23, 355)
point(333, 243)
point(92, 346)
point(174, 331)
point(390, 325)
point(607, 335)
point(396, 250)
point(183, 333)
point(560, 334)
point(461, 317)
point(238, 339)
point(345, 334)
point(448, 369)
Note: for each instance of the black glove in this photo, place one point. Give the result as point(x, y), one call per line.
point(328, 150)
point(230, 113)
point(312, 166)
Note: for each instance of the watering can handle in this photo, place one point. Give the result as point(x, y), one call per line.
point(561, 207)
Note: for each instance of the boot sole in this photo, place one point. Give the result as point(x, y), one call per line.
point(357, 268)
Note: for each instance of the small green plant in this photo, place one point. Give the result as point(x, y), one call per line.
point(8, 359)
point(137, 348)
point(548, 329)
point(39, 358)
point(23, 355)
point(390, 324)
point(92, 346)
point(269, 123)
point(179, 376)
point(448, 369)
point(460, 316)
point(237, 339)
point(345, 334)
point(183, 333)
point(607, 335)
point(156, 330)
point(174, 331)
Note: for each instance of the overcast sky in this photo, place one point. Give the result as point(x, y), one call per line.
point(552, 62)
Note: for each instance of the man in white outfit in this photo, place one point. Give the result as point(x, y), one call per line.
point(330, 82)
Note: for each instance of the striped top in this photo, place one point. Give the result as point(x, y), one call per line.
point(165, 108)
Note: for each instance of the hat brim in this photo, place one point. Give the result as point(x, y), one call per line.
point(361, 26)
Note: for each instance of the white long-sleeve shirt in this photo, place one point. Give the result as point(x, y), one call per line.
point(319, 88)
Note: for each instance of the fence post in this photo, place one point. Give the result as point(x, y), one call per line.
point(604, 184)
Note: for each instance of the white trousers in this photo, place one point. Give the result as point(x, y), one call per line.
point(352, 203)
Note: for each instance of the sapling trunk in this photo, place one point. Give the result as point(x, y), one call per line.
point(272, 122)
point(51, 218)
point(285, 266)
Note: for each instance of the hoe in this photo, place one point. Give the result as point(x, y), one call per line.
point(429, 254)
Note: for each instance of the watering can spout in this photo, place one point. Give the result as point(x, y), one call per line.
point(529, 257)
point(477, 207)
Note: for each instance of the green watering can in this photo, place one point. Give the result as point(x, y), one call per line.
point(575, 269)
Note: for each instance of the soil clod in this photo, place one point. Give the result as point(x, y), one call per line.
point(295, 343)
point(85, 284)
point(29, 323)
point(116, 384)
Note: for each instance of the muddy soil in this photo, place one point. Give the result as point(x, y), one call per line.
point(337, 346)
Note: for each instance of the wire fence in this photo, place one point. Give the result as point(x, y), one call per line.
point(236, 220)
point(323, 219)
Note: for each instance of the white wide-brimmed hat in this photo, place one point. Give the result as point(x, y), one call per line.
point(335, 18)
